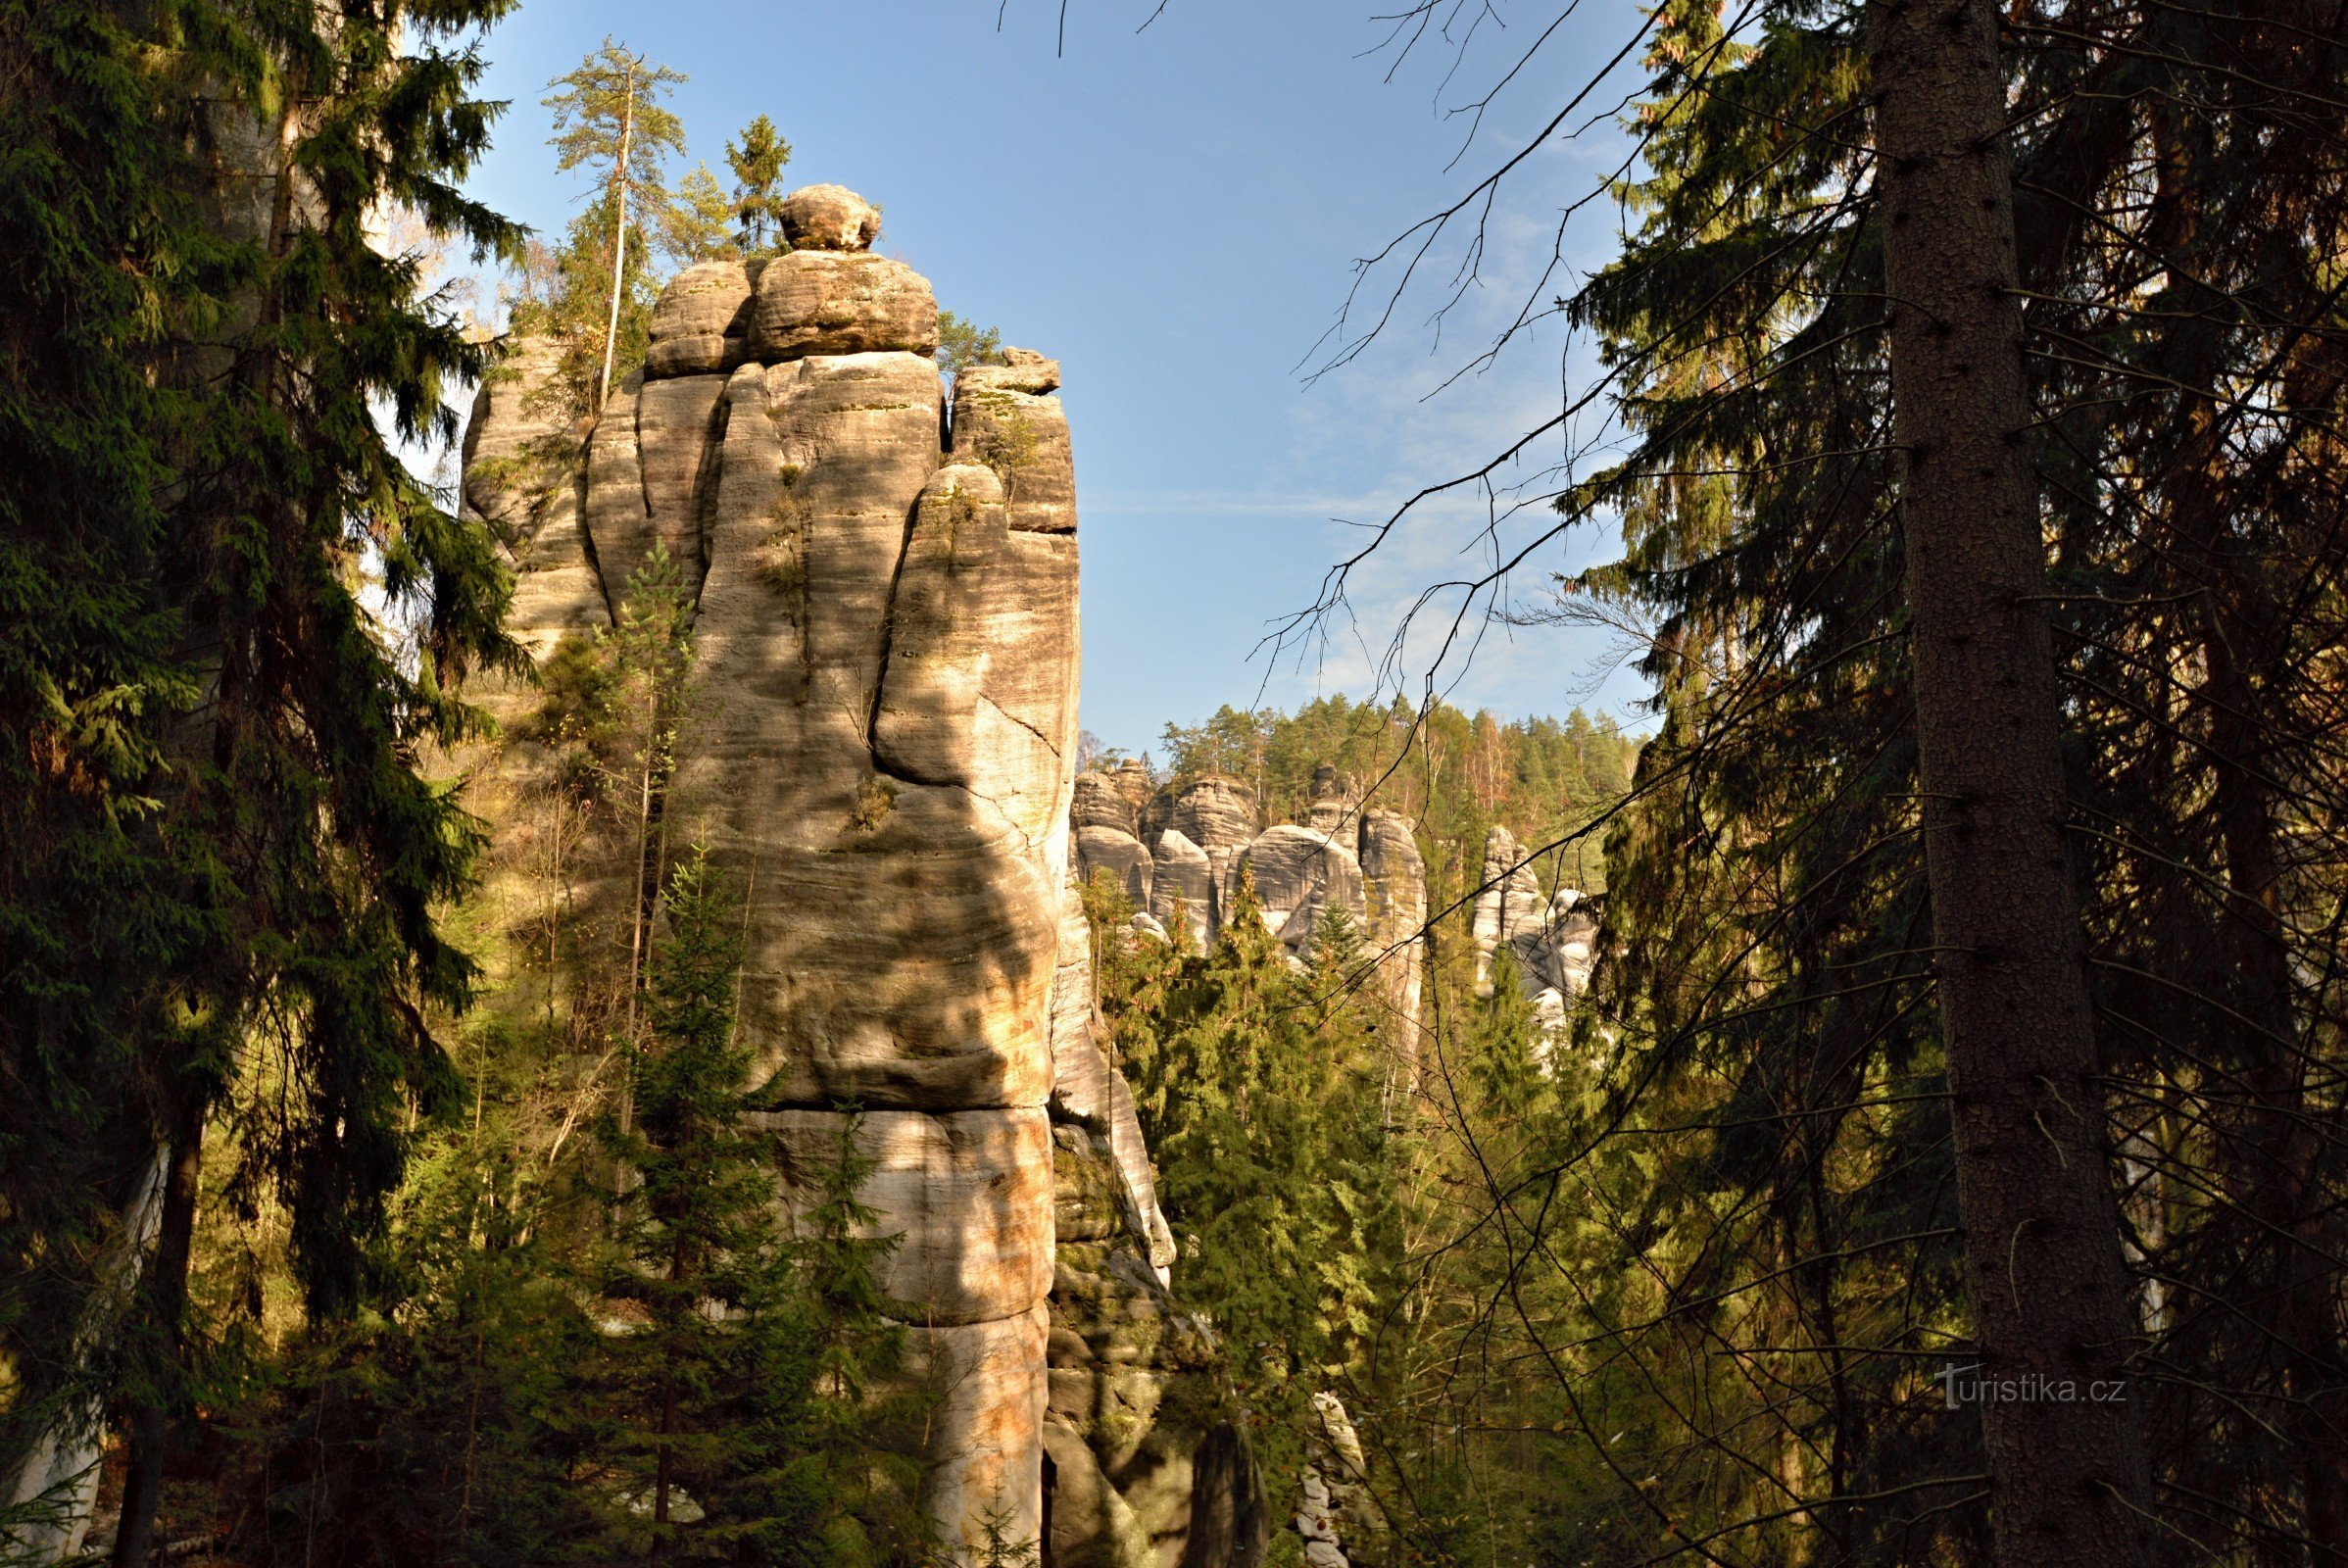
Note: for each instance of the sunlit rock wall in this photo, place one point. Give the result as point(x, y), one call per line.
point(1552, 941)
point(884, 595)
point(1177, 853)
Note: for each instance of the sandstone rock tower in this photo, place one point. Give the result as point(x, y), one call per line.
point(1552, 941)
point(883, 591)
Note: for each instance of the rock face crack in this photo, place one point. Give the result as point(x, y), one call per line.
point(1046, 741)
point(706, 481)
point(644, 478)
point(888, 646)
point(578, 505)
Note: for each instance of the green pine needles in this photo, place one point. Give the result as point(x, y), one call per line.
point(661, 1365)
point(222, 863)
point(748, 1368)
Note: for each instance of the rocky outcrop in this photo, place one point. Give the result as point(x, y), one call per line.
point(840, 302)
point(1183, 888)
point(883, 595)
point(1393, 878)
point(1177, 853)
point(1138, 1472)
point(1552, 941)
point(1335, 1506)
point(701, 325)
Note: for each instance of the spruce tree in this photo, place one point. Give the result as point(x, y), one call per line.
point(1771, 946)
point(442, 1425)
point(758, 163)
point(96, 909)
point(747, 1383)
point(1260, 1093)
point(2069, 1481)
point(213, 721)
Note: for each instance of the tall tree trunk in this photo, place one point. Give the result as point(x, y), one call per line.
point(2069, 1479)
point(150, 1419)
point(619, 236)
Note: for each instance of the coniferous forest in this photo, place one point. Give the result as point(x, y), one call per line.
point(1878, 1096)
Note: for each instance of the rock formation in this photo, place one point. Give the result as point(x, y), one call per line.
point(1126, 1370)
point(1552, 941)
point(1177, 853)
point(1336, 1501)
point(1141, 1474)
point(883, 594)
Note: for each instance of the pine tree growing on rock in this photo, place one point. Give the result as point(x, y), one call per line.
point(609, 120)
point(758, 163)
point(697, 225)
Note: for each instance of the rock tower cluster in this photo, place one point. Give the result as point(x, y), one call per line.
point(1552, 941)
point(882, 585)
point(1178, 853)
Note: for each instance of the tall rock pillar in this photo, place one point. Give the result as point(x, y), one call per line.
point(880, 755)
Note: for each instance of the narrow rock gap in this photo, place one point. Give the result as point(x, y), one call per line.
point(579, 515)
point(888, 640)
point(644, 479)
point(707, 479)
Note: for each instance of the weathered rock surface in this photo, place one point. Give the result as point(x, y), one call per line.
point(986, 1428)
point(1508, 901)
point(1023, 436)
point(1182, 893)
point(701, 325)
point(1021, 370)
point(1093, 1526)
point(1120, 854)
point(511, 418)
point(678, 431)
point(1302, 874)
point(880, 753)
point(1336, 1507)
point(1215, 813)
point(512, 482)
point(1198, 836)
point(1102, 800)
point(829, 218)
point(840, 302)
point(969, 1194)
point(1092, 1105)
point(1552, 941)
point(1393, 878)
point(1128, 1382)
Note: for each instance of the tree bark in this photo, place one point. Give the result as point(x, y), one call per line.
point(149, 1425)
point(2068, 1480)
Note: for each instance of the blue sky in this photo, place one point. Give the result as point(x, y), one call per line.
point(1173, 213)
